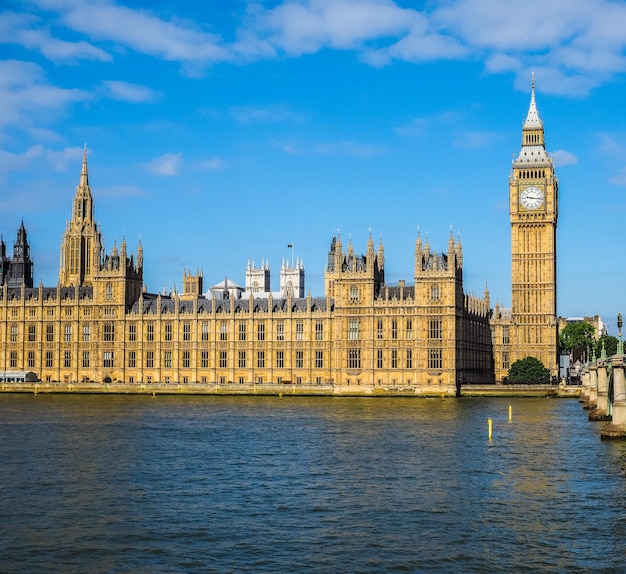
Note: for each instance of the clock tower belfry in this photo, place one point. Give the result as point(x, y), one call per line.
point(533, 209)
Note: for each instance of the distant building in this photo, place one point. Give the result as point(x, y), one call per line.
point(258, 280)
point(599, 328)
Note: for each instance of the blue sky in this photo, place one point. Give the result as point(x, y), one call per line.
point(219, 131)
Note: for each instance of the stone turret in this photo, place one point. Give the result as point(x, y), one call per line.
point(20, 268)
point(364, 273)
point(258, 279)
point(292, 279)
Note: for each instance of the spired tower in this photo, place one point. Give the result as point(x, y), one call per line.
point(21, 266)
point(81, 250)
point(116, 278)
point(533, 194)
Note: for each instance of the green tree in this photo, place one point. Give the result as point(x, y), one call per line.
point(529, 371)
point(610, 345)
point(577, 339)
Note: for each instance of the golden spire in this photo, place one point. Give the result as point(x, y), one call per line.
point(84, 178)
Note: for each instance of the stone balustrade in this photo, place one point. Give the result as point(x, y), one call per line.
point(605, 395)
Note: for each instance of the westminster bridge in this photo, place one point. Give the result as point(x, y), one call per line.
point(603, 391)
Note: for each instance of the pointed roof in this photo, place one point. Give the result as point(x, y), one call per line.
point(350, 248)
point(227, 284)
point(21, 233)
point(84, 177)
point(533, 151)
point(418, 241)
point(533, 121)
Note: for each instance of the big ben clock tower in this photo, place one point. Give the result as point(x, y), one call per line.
point(533, 208)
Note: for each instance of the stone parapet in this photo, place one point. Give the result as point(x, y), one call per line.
point(617, 428)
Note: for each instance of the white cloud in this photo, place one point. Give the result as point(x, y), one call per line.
point(573, 45)
point(498, 63)
point(25, 30)
point(129, 92)
point(422, 43)
point(43, 134)
point(140, 30)
point(561, 157)
point(506, 26)
point(27, 99)
point(578, 44)
point(166, 165)
point(10, 161)
point(58, 160)
point(305, 27)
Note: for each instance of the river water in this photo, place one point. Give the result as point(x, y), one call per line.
point(239, 484)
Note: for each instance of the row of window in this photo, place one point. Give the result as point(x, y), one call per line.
point(434, 359)
point(435, 330)
point(435, 293)
point(354, 331)
point(108, 311)
point(353, 360)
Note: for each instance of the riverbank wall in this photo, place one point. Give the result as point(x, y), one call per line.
point(267, 389)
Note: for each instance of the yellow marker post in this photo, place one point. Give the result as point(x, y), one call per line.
point(490, 422)
point(510, 413)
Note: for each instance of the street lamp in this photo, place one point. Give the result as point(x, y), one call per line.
point(620, 343)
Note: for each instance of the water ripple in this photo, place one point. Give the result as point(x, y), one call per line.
point(233, 484)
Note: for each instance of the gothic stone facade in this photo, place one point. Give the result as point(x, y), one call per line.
point(100, 324)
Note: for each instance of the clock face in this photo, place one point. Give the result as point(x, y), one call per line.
point(531, 197)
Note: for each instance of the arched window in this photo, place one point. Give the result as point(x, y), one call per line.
point(434, 293)
point(109, 291)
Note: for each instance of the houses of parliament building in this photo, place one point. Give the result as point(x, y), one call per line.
point(101, 324)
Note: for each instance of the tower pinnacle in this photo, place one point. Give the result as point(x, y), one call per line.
point(533, 150)
point(84, 178)
point(533, 121)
